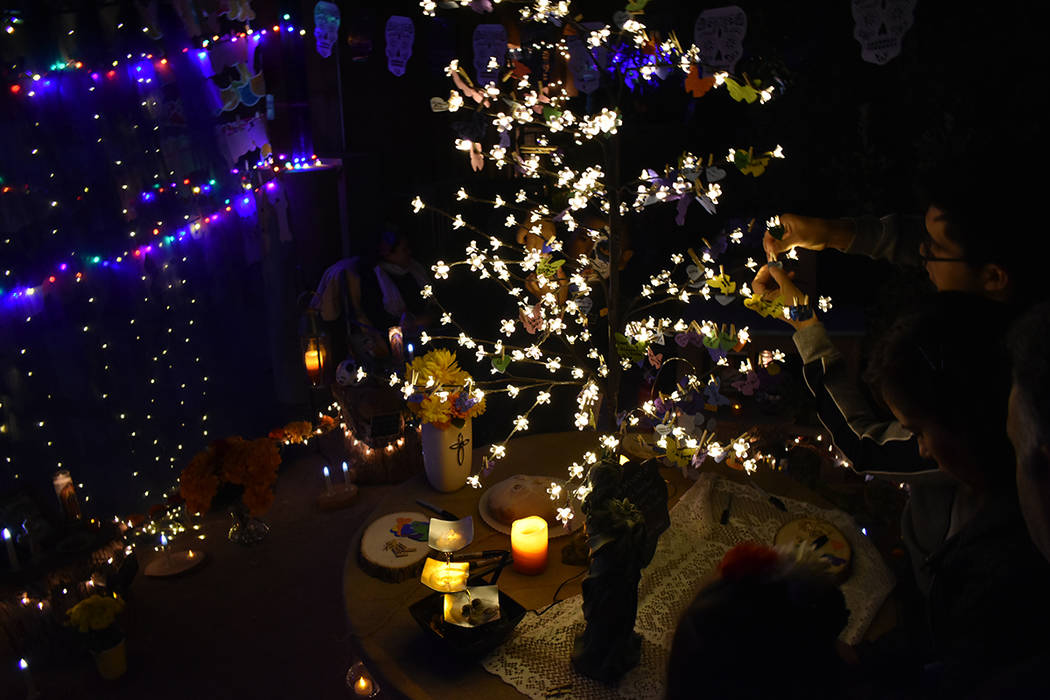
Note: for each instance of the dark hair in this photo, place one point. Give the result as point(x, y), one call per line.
point(947, 360)
point(991, 218)
point(1029, 343)
point(751, 637)
point(388, 241)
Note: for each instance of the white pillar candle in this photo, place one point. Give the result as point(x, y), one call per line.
point(12, 555)
point(528, 542)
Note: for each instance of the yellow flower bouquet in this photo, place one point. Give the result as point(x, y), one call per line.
point(443, 394)
point(96, 617)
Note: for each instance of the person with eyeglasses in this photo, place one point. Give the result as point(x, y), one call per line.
point(975, 238)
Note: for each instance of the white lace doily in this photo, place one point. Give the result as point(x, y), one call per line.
point(535, 660)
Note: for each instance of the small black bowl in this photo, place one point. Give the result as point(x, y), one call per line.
point(472, 642)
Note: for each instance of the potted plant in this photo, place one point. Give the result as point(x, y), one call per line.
point(96, 618)
point(444, 400)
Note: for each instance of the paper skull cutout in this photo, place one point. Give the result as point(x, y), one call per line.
point(400, 33)
point(880, 26)
point(326, 26)
point(490, 41)
point(586, 71)
point(719, 33)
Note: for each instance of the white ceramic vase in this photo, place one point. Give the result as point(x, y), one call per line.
point(446, 455)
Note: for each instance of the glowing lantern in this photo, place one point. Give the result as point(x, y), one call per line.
point(315, 348)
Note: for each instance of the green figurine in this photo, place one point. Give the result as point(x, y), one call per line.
point(621, 536)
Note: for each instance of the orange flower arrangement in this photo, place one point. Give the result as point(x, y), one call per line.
point(198, 482)
point(252, 464)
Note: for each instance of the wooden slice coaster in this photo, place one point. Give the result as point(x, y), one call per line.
point(822, 538)
point(388, 549)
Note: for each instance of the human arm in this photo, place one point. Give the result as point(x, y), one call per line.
point(890, 237)
point(870, 443)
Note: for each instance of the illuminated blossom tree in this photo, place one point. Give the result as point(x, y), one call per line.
point(576, 326)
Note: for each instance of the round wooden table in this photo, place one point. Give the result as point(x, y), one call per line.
point(393, 646)
point(391, 643)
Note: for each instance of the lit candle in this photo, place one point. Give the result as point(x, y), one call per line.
point(327, 479)
point(363, 686)
point(450, 542)
point(528, 542)
point(67, 495)
point(312, 359)
point(346, 473)
point(12, 555)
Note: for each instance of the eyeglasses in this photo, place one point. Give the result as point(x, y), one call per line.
point(925, 257)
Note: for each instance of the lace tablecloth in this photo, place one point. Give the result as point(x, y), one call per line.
point(535, 660)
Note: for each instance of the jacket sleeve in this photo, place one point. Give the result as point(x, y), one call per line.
point(890, 237)
point(871, 444)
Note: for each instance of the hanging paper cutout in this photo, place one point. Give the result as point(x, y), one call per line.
point(247, 89)
point(765, 307)
point(533, 320)
point(655, 359)
point(226, 53)
point(326, 27)
point(748, 163)
point(741, 92)
point(719, 33)
point(880, 27)
point(490, 42)
point(628, 349)
point(400, 34)
point(237, 10)
point(695, 85)
point(243, 136)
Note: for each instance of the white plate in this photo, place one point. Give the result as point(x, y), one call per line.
point(554, 529)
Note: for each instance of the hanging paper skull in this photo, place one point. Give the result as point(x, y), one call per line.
point(490, 42)
point(326, 26)
point(400, 33)
point(719, 33)
point(880, 26)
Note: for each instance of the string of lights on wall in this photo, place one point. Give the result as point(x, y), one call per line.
point(176, 317)
point(142, 70)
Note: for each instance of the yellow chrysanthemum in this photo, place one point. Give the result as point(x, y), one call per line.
point(95, 612)
point(439, 365)
point(434, 410)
